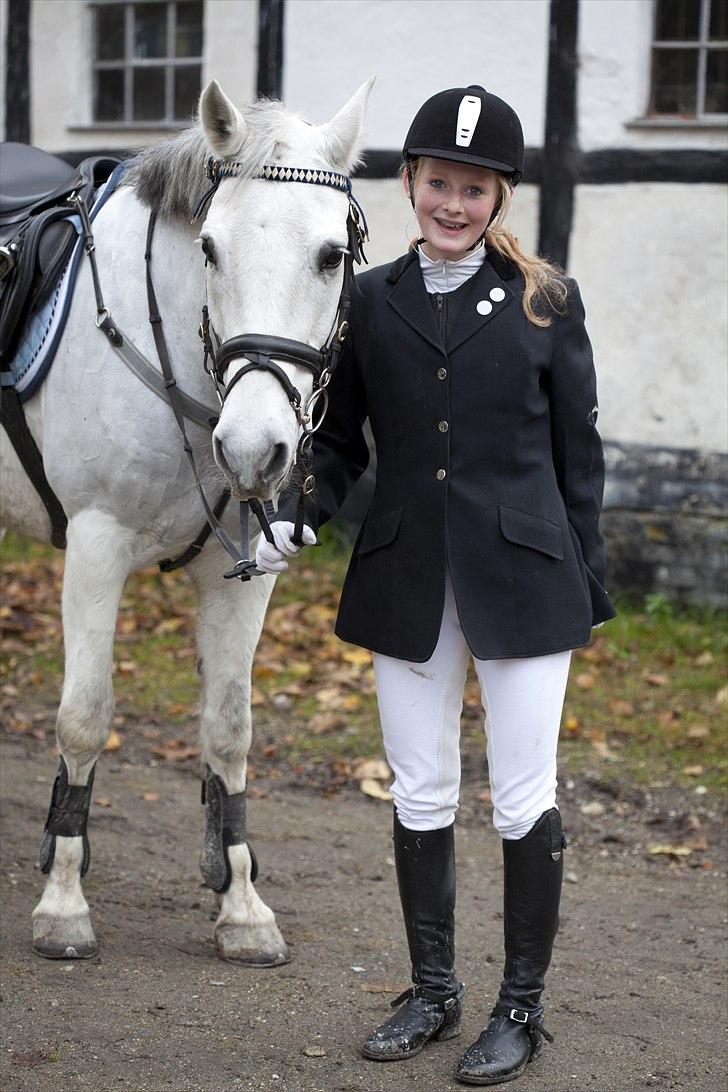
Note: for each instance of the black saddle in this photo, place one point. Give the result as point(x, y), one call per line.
point(37, 237)
point(31, 178)
point(36, 232)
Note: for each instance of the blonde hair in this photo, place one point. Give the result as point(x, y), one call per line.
point(544, 281)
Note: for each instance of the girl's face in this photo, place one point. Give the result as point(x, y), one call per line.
point(453, 204)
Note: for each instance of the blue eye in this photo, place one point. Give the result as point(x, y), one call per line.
point(436, 182)
point(475, 191)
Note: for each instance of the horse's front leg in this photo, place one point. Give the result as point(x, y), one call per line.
point(97, 563)
point(229, 623)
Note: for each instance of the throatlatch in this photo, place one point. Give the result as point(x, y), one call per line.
point(225, 827)
point(67, 816)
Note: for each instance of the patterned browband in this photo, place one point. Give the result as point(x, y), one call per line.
point(227, 168)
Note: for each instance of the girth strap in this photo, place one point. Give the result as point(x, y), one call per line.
point(15, 424)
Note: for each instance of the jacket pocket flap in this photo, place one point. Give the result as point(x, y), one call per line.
point(379, 530)
point(526, 529)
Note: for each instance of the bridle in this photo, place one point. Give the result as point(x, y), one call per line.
point(258, 350)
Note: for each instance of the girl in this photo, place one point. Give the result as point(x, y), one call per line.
point(471, 360)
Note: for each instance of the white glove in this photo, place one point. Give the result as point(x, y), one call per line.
point(271, 559)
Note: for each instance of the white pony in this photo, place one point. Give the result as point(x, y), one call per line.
point(113, 455)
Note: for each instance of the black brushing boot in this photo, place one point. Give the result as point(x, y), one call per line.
point(425, 862)
point(532, 873)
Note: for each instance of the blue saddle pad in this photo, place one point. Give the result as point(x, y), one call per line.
point(42, 334)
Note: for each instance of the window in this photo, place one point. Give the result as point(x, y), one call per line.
point(690, 60)
point(147, 61)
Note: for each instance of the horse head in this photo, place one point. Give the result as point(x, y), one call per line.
point(274, 252)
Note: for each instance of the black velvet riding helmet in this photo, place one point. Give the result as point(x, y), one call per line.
point(468, 125)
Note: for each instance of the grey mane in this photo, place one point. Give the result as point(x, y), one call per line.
point(169, 176)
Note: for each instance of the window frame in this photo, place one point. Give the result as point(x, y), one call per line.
point(703, 45)
point(128, 63)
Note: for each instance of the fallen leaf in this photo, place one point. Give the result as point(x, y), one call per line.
point(621, 708)
point(314, 1052)
point(175, 750)
point(169, 625)
point(601, 747)
point(321, 723)
point(655, 679)
point(586, 680)
point(721, 698)
point(359, 656)
point(704, 659)
point(376, 768)
point(329, 695)
point(113, 742)
point(127, 667)
point(351, 701)
point(151, 796)
point(484, 796)
point(666, 850)
point(594, 808)
point(374, 789)
point(693, 771)
point(572, 725)
point(103, 802)
point(698, 731)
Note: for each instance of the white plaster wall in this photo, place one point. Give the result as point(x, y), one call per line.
point(651, 263)
point(3, 32)
point(61, 71)
point(414, 48)
point(392, 222)
point(614, 81)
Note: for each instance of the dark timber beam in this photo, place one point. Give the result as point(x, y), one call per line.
point(270, 48)
point(561, 152)
point(17, 72)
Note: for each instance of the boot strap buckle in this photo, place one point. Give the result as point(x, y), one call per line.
point(449, 1004)
point(519, 1016)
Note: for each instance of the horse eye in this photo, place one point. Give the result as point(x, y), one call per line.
point(208, 249)
point(330, 257)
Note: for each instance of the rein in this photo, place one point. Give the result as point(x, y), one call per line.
point(258, 350)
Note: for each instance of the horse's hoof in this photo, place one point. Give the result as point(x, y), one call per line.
point(64, 938)
point(261, 946)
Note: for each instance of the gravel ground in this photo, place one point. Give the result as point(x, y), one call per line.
point(636, 993)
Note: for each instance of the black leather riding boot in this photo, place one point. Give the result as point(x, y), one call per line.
point(425, 862)
point(532, 874)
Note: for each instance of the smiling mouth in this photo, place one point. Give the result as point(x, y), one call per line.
point(450, 225)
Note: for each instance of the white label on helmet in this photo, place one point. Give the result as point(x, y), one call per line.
point(468, 115)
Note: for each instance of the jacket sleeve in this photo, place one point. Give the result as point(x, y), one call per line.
point(576, 446)
point(340, 452)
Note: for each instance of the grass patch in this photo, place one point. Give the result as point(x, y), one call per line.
point(647, 700)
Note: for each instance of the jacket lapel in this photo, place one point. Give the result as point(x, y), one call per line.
point(489, 295)
point(409, 299)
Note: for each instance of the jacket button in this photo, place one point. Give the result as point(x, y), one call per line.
point(443, 426)
point(441, 373)
point(440, 475)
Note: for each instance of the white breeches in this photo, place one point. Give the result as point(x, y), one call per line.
point(420, 706)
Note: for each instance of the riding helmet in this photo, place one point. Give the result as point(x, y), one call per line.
point(468, 125)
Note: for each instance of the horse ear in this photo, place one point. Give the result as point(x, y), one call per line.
point(342, 135)
point(222, 122)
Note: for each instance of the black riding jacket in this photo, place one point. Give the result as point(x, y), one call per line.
point(488, 462)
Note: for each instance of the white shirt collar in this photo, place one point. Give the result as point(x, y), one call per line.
point(444, 275)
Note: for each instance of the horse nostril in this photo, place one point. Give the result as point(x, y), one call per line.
point(277, 462)
point(219, 455)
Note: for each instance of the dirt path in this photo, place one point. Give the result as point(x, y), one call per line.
point(636, 999)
